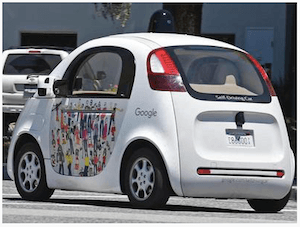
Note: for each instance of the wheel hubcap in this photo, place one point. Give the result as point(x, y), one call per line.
point(29, 171)
point(142, 179)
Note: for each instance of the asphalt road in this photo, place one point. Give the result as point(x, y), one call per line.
point(82, 207)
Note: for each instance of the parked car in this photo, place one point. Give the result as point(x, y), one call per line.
point(21, 68)
point(153, 115)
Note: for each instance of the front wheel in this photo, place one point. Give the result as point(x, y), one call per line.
point(269, 205)
point(146, 181)
point(29, 172)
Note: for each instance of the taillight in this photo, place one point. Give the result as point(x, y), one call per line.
point(34, 52)
point(163, 74)
point(203, 171)
point(264, 75)
point(280, 173)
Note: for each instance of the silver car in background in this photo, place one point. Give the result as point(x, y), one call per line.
point(21, 68)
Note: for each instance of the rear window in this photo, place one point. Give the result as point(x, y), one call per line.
point(219, 74)
point(24, 64)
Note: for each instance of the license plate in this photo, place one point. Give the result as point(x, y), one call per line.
point(239, 138)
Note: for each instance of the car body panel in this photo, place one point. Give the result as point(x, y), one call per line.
point(183, 130)
point(232, 167)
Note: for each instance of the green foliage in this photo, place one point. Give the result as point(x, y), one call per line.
point(187, 17)
point(116, 11)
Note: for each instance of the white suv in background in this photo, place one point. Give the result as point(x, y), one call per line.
point(21, 68)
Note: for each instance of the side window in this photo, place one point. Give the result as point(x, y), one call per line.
point(99, 73)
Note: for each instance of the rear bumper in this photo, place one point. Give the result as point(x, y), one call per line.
point(12, 108)
point(266, 180)
point(246, 185)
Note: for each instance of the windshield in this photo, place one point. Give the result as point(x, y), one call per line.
point(218, 73)
point(24, 64)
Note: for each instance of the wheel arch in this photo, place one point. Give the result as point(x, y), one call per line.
point(28, 145)
point(24, 138)
point(129, 151)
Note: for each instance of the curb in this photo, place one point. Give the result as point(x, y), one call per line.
point(292, 197)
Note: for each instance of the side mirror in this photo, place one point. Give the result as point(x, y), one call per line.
point(61, 88)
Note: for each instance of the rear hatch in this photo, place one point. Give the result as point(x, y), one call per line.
point(20, 74)
point(229, 122)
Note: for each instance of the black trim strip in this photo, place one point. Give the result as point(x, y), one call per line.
point(241, 169)
point(239, 175)
point(87, 111)
point(243, 175)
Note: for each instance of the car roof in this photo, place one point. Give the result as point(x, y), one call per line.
point(152, 40)
point(67, 49)
point(173, 39)
point(30, 50)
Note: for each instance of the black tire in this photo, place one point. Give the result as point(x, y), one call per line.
point(29, 173)
point(269, 205)
point(146, 181)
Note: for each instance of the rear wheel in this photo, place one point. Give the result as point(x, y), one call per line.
point(146, 181)
point(269, 205)
point(29, 172)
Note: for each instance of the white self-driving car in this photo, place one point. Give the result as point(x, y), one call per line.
point(152, 116)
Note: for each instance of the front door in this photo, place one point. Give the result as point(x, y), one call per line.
point(85, 125)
